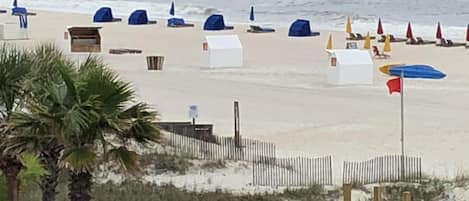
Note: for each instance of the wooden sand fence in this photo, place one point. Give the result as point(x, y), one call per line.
point(223, 148)
point(299, 171)
point(382, 169)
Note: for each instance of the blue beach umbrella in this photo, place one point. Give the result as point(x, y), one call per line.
point(15, 3)
point(171, 10)
point(251, 15)
point(416, 71)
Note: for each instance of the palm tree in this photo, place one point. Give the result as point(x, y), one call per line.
point(14, 67)
point(116, 123)
point(77, 115)
point(47, 112)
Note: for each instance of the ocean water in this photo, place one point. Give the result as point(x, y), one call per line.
point(323, 14)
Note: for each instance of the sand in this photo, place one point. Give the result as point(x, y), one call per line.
point(283, 93)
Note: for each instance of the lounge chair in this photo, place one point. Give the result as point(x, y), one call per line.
point(258, 29)
point(419, 41)
point(3, 11)
point(378, 54)
point(450, 43)
point(178, 23)
point(358, 36)
point(364, 37)
point(392, 39)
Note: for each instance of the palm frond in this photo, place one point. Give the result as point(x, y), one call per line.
point(128, 159)
point(82, 158)
point(14, 68)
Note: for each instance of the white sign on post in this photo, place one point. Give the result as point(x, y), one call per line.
point(193, 112)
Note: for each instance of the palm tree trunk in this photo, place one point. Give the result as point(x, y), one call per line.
point(80, 186)
point(50, 160)
point(11, 167)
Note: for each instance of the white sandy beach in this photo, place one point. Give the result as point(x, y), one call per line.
point(283, 93)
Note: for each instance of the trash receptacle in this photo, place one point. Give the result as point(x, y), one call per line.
point(155, 62)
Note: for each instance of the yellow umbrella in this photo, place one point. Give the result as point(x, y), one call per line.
point(367, 44)
point(348, 26)
point(387, 44)
point(329, 42)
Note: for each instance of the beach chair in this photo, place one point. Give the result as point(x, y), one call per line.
point(352, 36)
point(258, 29)
point(392, 39)
point(419, 41)
point(378, 54)
point(450, 43)
point(178, 23)
point(360, 37)
point(3, 11)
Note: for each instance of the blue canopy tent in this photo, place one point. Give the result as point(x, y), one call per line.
point(215, 23)
point(301, 28)
point(104, 14)
point(139, 17)
point(416, 71)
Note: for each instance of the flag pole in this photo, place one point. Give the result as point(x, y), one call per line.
point(402, 126)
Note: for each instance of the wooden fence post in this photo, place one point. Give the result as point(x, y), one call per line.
point(406, 196)
point(377, 193)
point(347, 191)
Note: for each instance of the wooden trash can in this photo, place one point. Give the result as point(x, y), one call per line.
point(205, 46)
point(155, 62)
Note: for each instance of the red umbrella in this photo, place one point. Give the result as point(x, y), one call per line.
point(380, 27)
point(467, 33)
point(438, 31)
point(409, 34)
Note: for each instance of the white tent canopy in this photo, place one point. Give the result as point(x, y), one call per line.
point(224, 51)
point(349, 67)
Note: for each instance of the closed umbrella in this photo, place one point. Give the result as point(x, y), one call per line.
point(329, 42)
point(438, 32)
point(409, 34)
point(348, 26)
point(367, 44)
point(251, 15)
point(380, 28)
point(387, 44)
point(172, 10)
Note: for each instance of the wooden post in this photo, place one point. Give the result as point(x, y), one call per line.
point(347, 190)
point(236, 124)
point(377, 193)
point(406, 196)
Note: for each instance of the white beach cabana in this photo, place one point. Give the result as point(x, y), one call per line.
point(349, 67)
point(224, 51)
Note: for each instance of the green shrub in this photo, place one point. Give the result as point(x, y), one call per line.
point(428, 190)
point(212, 165)
point(164, 163)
